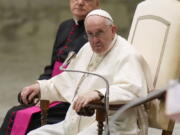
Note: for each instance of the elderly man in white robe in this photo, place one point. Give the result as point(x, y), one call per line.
point(106, 54)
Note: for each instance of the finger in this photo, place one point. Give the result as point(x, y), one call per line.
point(31, 96)
point(24, 96)
point(36, 101)
point(78, 104)
point(74, 103)
point(29, 92)
point(85, 103)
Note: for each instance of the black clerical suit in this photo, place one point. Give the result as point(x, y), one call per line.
point(70, 37)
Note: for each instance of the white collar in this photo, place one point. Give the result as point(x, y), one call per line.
point(75, 20)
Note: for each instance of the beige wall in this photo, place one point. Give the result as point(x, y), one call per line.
point(29, 18)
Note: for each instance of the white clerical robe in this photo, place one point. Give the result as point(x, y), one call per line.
point(121, 66)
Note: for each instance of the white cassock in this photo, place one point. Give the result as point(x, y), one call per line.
point(121, 66)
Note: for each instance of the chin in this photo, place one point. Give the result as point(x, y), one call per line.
point(98, 51)
point(80, 12)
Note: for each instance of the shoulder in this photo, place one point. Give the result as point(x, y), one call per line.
point(82, 56)
point(126, 49)
point(126, 46)
point(85, 49)
point(66, 23)
point(64, 27)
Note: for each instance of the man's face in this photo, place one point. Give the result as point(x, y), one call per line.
point(80, 8)
point(99, 33)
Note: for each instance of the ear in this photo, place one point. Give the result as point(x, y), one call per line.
point(114, 29)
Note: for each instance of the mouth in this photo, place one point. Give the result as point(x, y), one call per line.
point(79, 8)
point(97, 47)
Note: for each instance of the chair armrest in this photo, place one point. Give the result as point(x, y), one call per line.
point(89, 109)
point(44, 105)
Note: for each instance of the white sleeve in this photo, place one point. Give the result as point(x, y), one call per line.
point(60, 87)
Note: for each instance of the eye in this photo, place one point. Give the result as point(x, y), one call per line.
point(99, 33)
point(90, 34)
point(88, 0)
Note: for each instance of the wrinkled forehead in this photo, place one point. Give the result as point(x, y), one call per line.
point(88, 1)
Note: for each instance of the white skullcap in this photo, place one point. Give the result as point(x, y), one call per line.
point(100, 12)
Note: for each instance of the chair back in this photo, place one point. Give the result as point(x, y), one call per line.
point(155, 33)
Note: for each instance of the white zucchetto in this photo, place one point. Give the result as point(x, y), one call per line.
point(100, 12)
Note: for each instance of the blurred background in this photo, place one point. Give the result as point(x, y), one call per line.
point(27, 33)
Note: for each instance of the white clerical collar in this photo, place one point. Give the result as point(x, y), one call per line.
point(75, 20)
point(78, 22)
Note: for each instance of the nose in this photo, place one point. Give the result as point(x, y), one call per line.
point(94, 39)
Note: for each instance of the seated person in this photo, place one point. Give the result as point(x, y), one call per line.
point(110, 56)
point(70, 37)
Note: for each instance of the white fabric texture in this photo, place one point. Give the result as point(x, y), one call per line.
point(121, 66)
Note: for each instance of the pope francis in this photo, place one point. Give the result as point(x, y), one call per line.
point(106, 54)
